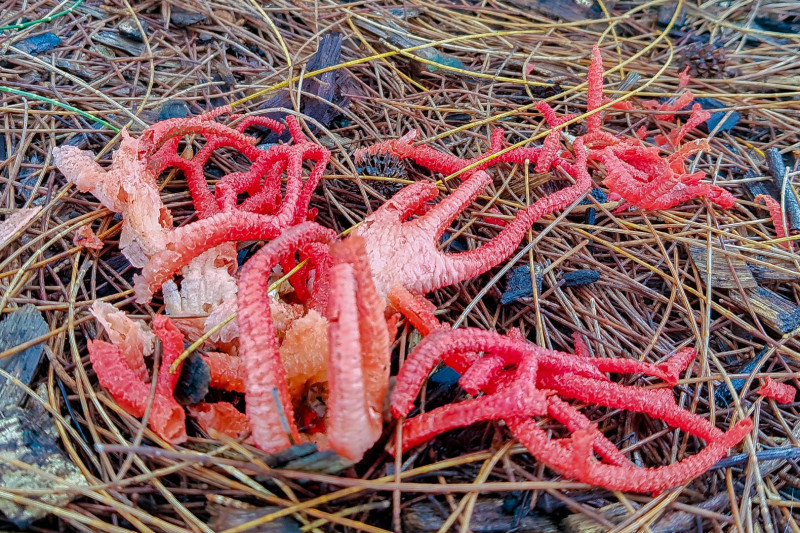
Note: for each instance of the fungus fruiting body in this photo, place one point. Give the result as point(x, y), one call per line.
point(126, 386)
point(780, 392)
point(776, 214)
point(335, 339)
point(547, 378)
point(357, 339)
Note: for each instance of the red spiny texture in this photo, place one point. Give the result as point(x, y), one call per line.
point(520, 398)
point(359, 353)
point(466, 265)
point(548, 157)
point(514, 397)
point(657, 403)
point(479, 375)
point(594, 97)
point(269, 404)
point(262, 181)
point(317, 254)
point(640, 175)
point(678, 104)
point(263, 215)
point(581, 350)
point(405, 252)
point(780, 392)
point(572, 457)
point(698, 116)
point(220, 417)
point(167, 419)
point(556, 375)
point(460, 349)
point(776, 214)
point(643, 178)
point(668, 371)
point(576, 421)
point(416, 309)
point(225, 370)
point(433, 159)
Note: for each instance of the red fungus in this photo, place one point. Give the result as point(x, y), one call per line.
point(269, 404)
point(360, 351)
point(684, 78)
point(225, 370)
point(557, 375)
point(220, 417)
point(405, 252)
point(358, 347)
point(189, 241)
point(85, 237)
point(129, 187)
point(126, 187)
point(133, 337)
point(698, 116)
point(776, 214)
point(780, 392)
point(572, 457)
point(418, 310)
point(594, 93)
point(576, 421)
point(551, 146)
point(640, 175)
point(167, 418)
point(262, 180)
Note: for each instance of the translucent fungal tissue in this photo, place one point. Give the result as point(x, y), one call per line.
point(133, 338)
point(128, 188)
point(148, 238)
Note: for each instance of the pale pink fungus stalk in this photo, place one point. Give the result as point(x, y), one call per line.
point(268, 402)
point(360, 350)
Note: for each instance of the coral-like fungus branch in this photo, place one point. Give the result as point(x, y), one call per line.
point(776, 214)
point(360, 350)
point(188, 242)
point(262, 180)
point(506, 362)
point(573, 458)
point(780, 392)
point(167, 418)
point(418, 310)
point(268, 401)
point(405, 252)
point(638, 174)
point(129, 187)
point(358, 345)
